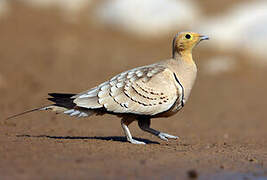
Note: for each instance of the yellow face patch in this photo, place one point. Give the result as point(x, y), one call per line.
point(184, 42)
point(187, 40)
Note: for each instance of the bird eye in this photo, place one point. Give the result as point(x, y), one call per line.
point(187, 36)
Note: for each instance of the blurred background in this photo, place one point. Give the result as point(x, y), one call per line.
point(72, 45)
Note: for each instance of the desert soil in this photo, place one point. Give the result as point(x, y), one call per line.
point(222, 128)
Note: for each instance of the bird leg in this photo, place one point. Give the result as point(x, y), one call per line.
point(144, 124)
point(125, 122)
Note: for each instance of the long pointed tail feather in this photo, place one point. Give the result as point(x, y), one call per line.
point(63, 104)
point(29, 111)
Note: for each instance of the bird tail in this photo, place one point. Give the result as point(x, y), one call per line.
point(63, 103)
point(50, 107)
point(62, 100)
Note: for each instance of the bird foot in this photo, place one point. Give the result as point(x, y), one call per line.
point(165, 136)
point(133, 141)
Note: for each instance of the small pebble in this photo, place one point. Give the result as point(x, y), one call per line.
point(192, 174)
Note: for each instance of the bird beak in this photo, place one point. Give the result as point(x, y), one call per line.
point(204, 38)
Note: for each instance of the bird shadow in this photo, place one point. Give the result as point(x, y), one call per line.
point(103, 138)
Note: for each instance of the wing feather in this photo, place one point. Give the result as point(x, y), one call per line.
point(147, 90)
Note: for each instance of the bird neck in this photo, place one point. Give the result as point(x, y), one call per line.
point(185, 55)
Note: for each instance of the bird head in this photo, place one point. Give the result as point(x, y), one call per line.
point(184, 42)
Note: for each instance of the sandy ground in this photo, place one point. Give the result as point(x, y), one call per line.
point(222, 128)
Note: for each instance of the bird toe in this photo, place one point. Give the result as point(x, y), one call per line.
point(133, 141)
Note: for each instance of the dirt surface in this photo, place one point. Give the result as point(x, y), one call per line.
point(222, 128)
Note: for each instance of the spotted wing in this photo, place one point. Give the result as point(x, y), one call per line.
point(147, 90)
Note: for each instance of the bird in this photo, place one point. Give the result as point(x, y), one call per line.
point(140, 94)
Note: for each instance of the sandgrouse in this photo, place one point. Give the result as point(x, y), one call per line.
point(142, 93)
